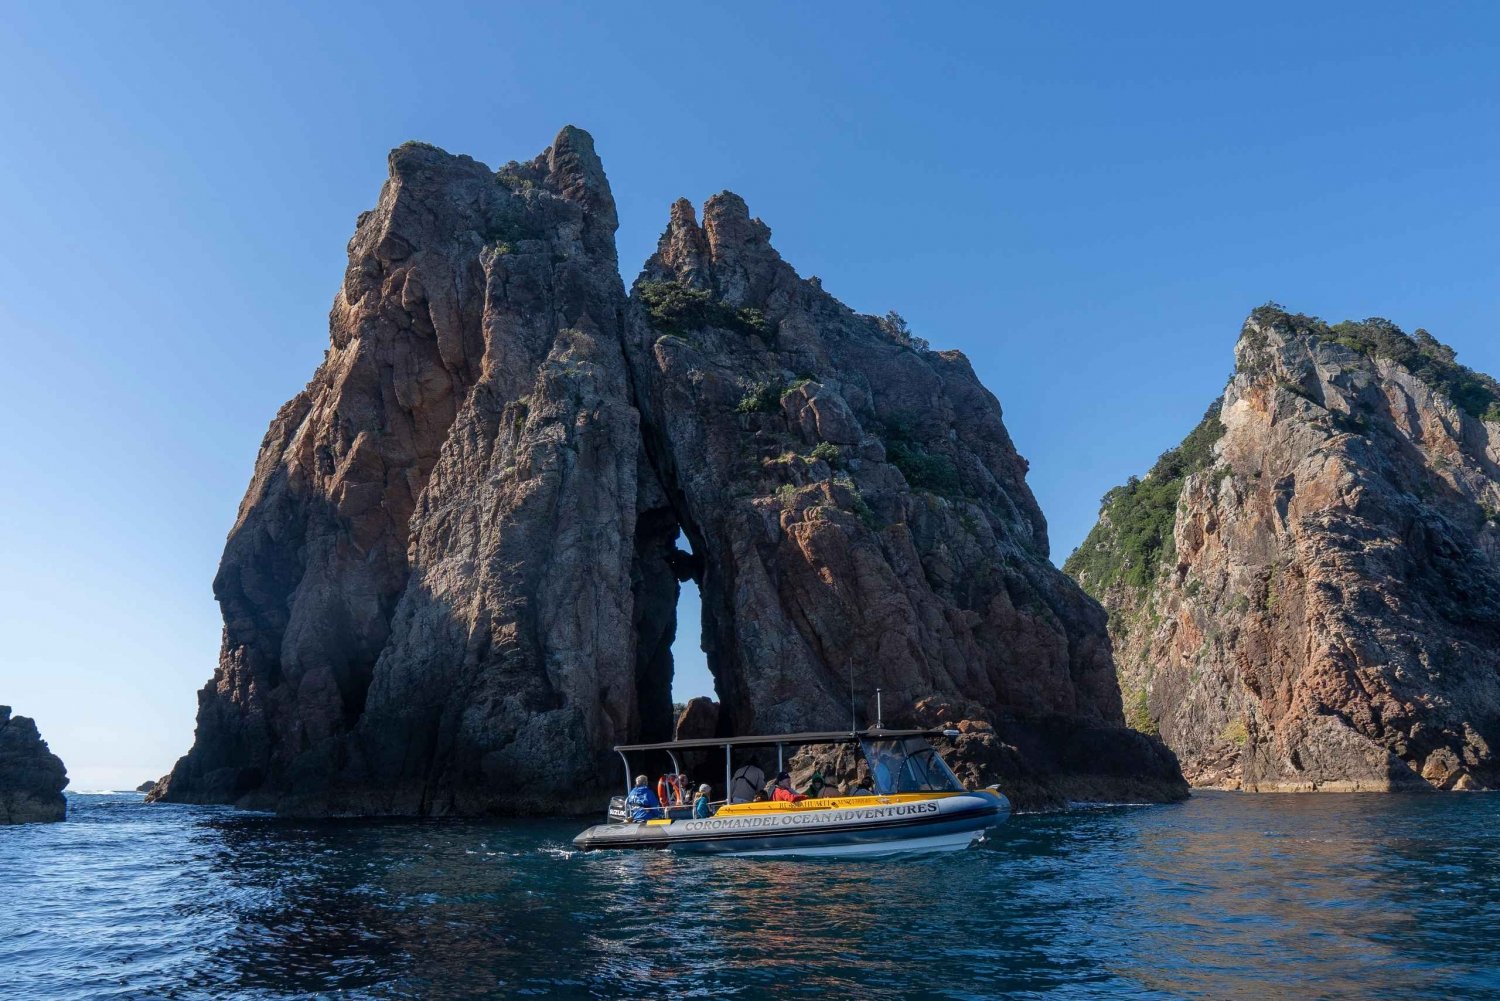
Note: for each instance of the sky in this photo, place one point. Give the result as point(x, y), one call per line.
point(1087, 199)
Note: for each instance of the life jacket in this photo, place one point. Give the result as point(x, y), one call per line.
point(669, 790)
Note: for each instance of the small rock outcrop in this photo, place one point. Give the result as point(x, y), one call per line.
point(147, 786)
point(699, 719)
point(32, 778)
point(1305, 595)
point(452, 585)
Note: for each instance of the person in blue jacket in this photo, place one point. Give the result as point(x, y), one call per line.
point(701, 809)
point(642, 805)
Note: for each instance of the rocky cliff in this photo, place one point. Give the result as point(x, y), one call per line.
point(1306, 594)
point(32, 778)
point(452, 584)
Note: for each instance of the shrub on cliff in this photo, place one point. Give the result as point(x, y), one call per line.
point(677, 307)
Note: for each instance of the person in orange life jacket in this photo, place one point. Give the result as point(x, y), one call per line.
point(641, 804)
point(783, 791)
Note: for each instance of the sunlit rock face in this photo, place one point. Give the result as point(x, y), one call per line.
point(1306, 595)
point(452, 585)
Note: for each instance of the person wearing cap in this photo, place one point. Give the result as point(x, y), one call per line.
point(783, 792)
point(641, 804)
point(701, 809)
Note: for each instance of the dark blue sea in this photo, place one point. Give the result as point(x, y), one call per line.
point(1225, 896)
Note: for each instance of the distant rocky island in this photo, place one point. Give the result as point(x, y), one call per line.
point(32, 778)
point(1305, 595)
point(452, 584)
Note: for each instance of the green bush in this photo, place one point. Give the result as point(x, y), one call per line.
point(1138, 714)
point(763, 397)
point(675, 307)
point(826, 451)
point(894, 326)
point(922, 469)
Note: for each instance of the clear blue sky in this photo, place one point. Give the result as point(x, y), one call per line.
point(1086, 199)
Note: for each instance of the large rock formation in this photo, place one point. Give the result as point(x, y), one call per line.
point(1306, 594)
point(32, 778)
point(452, 585)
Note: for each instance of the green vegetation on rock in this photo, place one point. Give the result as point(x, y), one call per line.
point(762, 398)
point(676, 307)
point(1133, 536)
point(1420, 353)
point(924, 470)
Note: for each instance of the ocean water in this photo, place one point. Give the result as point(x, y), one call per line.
point(1225, 896)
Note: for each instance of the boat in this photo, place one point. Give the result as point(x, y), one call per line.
point(913, 803)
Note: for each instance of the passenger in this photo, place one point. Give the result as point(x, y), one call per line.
point(642, 804)
point(860, 788)
point(782, 790)
point(767, 794)
point(701, 809)
point(684, 793)
point(817, 787)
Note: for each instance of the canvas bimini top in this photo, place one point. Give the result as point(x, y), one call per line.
point(772, 740)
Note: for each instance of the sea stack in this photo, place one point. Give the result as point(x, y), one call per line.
point(1305, 595)
point(32, 778)
point(452, 585)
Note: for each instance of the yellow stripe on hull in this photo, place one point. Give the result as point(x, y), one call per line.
point(835, 803)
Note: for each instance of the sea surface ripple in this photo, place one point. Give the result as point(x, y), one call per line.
point(1225, 896)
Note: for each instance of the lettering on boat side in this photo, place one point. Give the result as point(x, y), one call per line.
point(808, 819)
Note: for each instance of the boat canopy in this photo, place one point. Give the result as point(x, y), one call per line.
point(773, 740)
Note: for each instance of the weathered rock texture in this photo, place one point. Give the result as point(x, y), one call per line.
point(1306, 595)
point(32, 778)
point(857, 507)
point(452, 585)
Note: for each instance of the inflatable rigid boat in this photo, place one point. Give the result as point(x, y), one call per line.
point(913, 803)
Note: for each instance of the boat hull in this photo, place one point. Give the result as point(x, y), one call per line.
point(880, 827)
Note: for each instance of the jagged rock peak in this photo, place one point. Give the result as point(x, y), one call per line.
point(731, 246)
point(32, 778)
point(1306, 593)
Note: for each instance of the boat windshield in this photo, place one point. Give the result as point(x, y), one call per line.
point(909, 765)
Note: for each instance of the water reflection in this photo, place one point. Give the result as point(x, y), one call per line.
point(1223, 897)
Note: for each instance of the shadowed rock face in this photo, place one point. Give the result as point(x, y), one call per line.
point(32, 778)
point(452, 585)
point(1325, 612)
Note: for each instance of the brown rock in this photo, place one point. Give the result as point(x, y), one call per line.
point(452, 585)
point(1326, 614)
point(32, 778)
point(698, 720)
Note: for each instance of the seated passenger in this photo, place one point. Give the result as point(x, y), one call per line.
point(818, 787)
point(783, 792)
point(860, 788)
point(701, 809)
point(765, 795)
point(642, 805)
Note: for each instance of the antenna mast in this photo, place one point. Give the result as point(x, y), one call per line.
point(853, 721)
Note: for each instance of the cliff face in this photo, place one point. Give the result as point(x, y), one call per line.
point(1306, 594)
point(858, 509)
point(32, 778)
point(452, 584)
